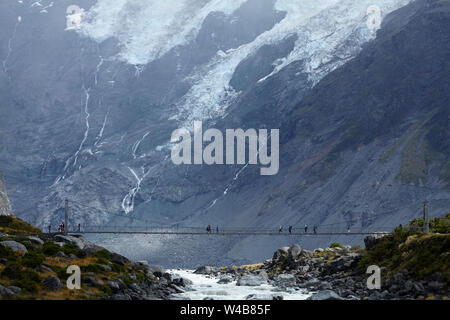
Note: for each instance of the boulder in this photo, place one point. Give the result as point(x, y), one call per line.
point(116, 285)
point(156, 270)
point(118, 259)
point(15, 246)
point(105, 268)
point(15, 290)
point(120, 297)
point(280, 253)
point(91, 281)
point(61, 254)
point(52, 283)
point(140, 264)
point(285, 280)
point(4, 291)
point(325, 295)
point(262, 273)
point(207, 270)
point(294, 252)
point(180, 281)
point(36, 240)
point(268, 296)
point(225, 279)
point(251, 280)
point(43, 268)
point(77, 242)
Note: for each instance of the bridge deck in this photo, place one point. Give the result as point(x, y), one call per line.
point(230, 233)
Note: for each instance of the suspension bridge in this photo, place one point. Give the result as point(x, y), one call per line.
point(198, 231)
point(345, 228)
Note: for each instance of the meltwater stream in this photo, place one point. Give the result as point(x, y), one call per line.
point(207, 287)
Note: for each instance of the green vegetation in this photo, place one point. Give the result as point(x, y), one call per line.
point(336, 245)
point(33, 259)
point(50, 248)
point(104, 254)
point(436, 225)
point(15, 226)
point(26, 279)
point(27, 270)
point(420, 253)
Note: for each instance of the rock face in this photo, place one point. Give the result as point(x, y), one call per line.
point(345, 143)
point(5, 206)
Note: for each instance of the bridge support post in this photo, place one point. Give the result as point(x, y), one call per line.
point(66, 218)
point(425, 217)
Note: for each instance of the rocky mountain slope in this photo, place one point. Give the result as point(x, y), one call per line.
point(5, 207)
point(363, 115)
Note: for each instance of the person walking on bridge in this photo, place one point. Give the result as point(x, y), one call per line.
point(306, 228)
point(315, 229)
point(217, 229)
point(281, 229)
point(290, 229)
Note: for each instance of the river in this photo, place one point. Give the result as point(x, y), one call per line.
point(207, 287)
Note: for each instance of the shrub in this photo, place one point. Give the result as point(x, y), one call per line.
point(92, 268)
point(101, 261)
point(50, 248)
point(26, 285)
point(33, 259)
point(103, 254)
point(7, 253)
point(335, 245)
point(117, 268)
point(30, 275)
point(106, 289)
point(61, 272)
point(70, 248)
point(12, 270)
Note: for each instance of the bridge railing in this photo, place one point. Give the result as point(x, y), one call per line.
point(235, 230)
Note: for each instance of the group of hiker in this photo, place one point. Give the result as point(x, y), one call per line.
point(209, 230)
point(62, 228)
point(291, 228)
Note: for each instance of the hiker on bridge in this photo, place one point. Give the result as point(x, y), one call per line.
point(290, 229)
point(281, 229)
point(79, 227)
point(306, 228)
point(217, 229)
point(315, 229)
point(208, 228)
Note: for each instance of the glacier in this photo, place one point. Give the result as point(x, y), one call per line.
point(148, 30)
